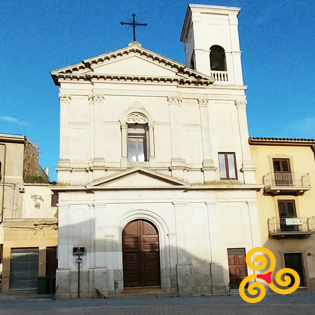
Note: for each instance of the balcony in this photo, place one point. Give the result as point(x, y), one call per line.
point(220, 76)
point(291, 227)
point(286, 183)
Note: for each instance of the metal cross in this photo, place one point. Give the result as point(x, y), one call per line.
point(134, 24)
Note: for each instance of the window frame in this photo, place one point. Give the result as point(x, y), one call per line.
point(132, 137)
point(226, 164)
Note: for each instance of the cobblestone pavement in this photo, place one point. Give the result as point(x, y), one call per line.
point(303, 303)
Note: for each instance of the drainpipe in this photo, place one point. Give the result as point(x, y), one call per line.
point(4, 167)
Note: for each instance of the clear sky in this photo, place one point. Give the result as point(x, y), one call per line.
point(37, 36)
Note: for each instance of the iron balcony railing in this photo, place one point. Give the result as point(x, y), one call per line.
point(286, 179)
point(291, 226)
point(221, 76)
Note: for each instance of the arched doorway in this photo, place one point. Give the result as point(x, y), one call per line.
point(141, 254)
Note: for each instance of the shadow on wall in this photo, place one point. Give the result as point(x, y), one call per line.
point(141, 256)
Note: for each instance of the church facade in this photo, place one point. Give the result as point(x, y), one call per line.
point(155, 179)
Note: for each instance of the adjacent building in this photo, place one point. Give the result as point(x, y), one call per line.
point(155, 178)
point(28, 221)
point(286, 169)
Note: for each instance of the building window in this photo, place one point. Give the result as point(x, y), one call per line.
point(54, 199)
point(138, 142)
point(217, 58)
point(227, 165)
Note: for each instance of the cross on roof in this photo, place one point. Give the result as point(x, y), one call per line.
point(134, 23)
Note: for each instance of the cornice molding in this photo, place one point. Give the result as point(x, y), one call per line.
point(130, 78)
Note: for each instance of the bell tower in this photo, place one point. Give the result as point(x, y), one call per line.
point(210, 34)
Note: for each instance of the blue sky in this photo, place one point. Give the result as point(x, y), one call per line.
point(37, 36)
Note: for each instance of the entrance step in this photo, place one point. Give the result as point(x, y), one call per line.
point(145, 291)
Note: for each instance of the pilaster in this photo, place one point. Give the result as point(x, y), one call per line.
point(207, 164)
point(185, 270)
point(216, 267)
point(177, 163)
point(248, 168)
point(254, 223)
point(64, 161)
point(124, 140)
point(98, 101)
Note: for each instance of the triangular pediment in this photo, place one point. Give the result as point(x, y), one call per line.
point(132, 62)
point(138, 178)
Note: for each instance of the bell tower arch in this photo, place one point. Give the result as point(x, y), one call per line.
point(210, 35)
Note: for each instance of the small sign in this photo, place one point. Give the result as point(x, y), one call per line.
point(78, 251)
point(293, 221)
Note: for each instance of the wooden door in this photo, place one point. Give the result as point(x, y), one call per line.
point(283, 176)
point(294, 261)
point(141, 256)
point(237, 266)
point(51, 261)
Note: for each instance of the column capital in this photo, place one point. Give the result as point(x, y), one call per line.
point(240, 103)
point(123, 125)
point(203, 102)
point(174, 100)
point(63, 97)
point(96, 97)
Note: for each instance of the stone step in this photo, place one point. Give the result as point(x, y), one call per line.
point(145, 291)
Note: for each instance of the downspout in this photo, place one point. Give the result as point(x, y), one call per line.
point(4, 167)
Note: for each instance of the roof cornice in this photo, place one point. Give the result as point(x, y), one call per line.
point(280, 141)
point(133, 48)
point(131, 78)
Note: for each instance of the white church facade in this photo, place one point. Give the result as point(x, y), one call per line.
point(155, 177)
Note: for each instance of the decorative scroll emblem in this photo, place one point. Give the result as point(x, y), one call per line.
point(267, 276)
point(137, 118)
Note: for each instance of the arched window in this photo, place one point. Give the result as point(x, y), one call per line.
point(217, 58)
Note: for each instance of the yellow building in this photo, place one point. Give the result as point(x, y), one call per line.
point(286, 204)
point(28, 219)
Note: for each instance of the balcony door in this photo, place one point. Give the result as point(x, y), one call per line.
point(283, 176)
point(287, 211)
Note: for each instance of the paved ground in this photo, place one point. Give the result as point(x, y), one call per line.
point(300, 303)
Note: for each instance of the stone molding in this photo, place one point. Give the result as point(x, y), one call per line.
point(240, 103)
point(64, 97)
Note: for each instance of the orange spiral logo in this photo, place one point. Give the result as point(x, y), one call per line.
point(267, 276)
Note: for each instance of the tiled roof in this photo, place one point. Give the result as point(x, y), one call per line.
point(284, 141)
